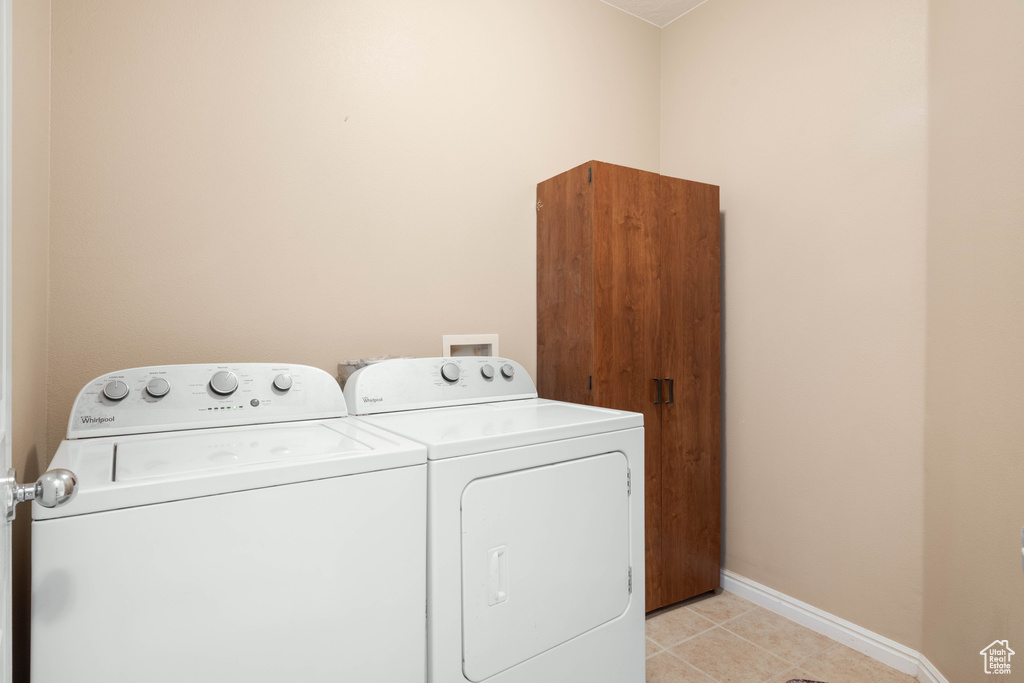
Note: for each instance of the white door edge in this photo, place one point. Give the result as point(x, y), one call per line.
point(6, 59)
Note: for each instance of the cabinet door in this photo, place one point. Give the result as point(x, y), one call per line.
point(626, 320)
point(565, 283)
point(691, 424)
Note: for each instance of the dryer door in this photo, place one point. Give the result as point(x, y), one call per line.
point(545, 558)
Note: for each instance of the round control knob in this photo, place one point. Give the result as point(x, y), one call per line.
point(158, 387)
point(450, 372)
point(487, 371)
point(508, 370)
point(283, 382)
point(224, 383)
point(115, 390)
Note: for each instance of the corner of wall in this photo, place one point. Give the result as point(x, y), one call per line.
point(973, 589)
point(822, 163)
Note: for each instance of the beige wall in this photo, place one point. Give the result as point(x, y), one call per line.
point(31, 219)
point(30, 234)
point(974, 503)
point(318, 181)
point(811, 117)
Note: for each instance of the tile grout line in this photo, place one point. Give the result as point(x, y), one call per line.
point(680, 642)
point(689, 638)
point(713, 626)
point(726, 629)
point(834, 644)
point(657, 652)
point(798, 663)
point(748, 611)
point(722, 625)
point(770, 653)
point(837, 644)
point(690, 664)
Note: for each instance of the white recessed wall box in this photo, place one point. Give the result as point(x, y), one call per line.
point(469, 345)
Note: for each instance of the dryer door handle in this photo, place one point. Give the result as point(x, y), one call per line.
point(497, 588)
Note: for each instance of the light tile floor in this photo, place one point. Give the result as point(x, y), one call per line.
point(726, 639)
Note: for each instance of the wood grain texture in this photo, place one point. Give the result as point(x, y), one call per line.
point(565, 285)
point(628, 290)
point(691, 352)
point(626, 324)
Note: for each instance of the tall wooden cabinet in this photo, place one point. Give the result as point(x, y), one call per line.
point(629, 317)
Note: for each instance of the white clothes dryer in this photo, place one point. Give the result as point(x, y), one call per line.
point(535, 522)
point(231, 524)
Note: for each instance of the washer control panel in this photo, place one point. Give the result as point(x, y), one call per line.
point(172, 397)
point(413, 383)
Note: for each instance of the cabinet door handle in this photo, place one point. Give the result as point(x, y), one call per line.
point(656, 402)
point(671, 391)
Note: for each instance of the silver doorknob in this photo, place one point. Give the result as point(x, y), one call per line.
point(53, 489)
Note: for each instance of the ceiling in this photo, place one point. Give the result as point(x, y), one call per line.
point(658, 12)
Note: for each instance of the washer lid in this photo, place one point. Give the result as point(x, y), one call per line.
point(203, 451)
point(463, 430)
point(120, 472)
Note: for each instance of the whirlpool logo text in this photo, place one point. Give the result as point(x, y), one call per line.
point(86, 420)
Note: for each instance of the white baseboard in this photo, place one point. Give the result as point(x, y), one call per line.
point(927, 673)
point(878, 647)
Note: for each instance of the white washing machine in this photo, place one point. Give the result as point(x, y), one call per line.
point(535, 522)
point(231, 524)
